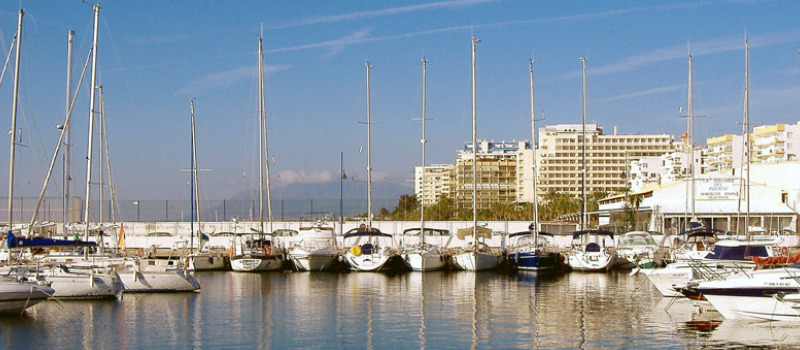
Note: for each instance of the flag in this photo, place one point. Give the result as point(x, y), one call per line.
point(344, 176)
point(121, 241)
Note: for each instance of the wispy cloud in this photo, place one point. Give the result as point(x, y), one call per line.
point(291, 176)
point(654, 91)
point(381, 12)
point(220, 80)
point(160, 40)
point(701, 48)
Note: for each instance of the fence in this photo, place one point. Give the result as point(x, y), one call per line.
point(52, 209)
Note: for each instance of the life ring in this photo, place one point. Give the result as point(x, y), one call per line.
point(355, 250)
point(267, 250)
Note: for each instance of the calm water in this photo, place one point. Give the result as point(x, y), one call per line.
point(453, 310)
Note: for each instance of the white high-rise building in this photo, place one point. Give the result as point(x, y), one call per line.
point(775, 143)
point(438, 182)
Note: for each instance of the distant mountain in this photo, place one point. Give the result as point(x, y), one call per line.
point(301, 200)
point(331, 190)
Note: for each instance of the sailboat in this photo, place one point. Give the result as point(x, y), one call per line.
point(200, 260)
point(478, 256)
point(16, 296)
point(590, 247)
point(528, 249)
point(423, 256)
point(257, 254)
point(371, 249)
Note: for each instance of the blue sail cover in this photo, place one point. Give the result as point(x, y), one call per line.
point(14, 242)
point(577, 234)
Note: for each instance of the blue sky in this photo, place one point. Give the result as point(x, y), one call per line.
point(154, 56)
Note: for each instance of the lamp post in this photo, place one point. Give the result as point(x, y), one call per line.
point(136, 203)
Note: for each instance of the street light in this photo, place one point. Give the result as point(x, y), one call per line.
point(136, 203)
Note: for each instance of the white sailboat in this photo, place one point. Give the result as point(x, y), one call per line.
point(371, 250)
point(477, 256)
point(258, 254)
point(423, 256)
point(587, 254)
point(201, 260)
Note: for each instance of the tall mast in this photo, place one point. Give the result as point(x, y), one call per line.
point(193, 173)
point(261, 128)
point(691, 136)
point(583, 151)
point(369, 155)
point(474, 150)
point(93, 82)
point(67, 174)
point(263, 112)
point(747, 133)
point(14, 129)
point(423, 141)
point(534, 228)
point(101, 154)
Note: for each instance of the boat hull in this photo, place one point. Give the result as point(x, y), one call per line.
point(248, 263)
point(429, 261)
point(591, 261)
point(366, 262)
point(94, 286)
point(15, 297)
point(202, 262)
point(535, 261)
point(304, 261)
point(470, 261)
point(754, 308)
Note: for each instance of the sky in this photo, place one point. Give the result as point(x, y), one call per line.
point(156, 56)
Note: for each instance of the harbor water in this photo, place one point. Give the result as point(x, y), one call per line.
point(435, 310)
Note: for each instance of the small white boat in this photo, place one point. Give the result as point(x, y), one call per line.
point(476, 257)
point(424, 256)
point(369, 251)
point(591, 256)
point(637, 249)
point(16, 296)
point(314, 248)
point(255, 256)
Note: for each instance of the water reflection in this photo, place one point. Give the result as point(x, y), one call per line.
point(455, 310)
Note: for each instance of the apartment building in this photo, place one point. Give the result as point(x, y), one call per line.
point(496, 180)
point(560, 157)
point(724, 152)
point(776, 143)
point(438, 182)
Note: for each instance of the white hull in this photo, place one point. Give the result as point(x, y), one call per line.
point(15, 297)
point(470, 261)
point(252, 263)
point(95, 286)
point(205, 262)
point(425, 261)
point(366, 262)
point(679, 274)
point(755, 308)
point(143, 277)
point(304, 261)
point(591, 261)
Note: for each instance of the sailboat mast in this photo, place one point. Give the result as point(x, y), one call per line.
point(263, 112)
point(369, 154)
point(474, 150)
point(67, 176)
point(534, 228)
point(192, 171)
point(583, 151)
point(747, 133)
point(690, 105)
point(91, 125)
point(423, 141)
point(14, 128)
point(260, 139)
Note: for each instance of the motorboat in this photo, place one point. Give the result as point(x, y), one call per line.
point(255, 255)
point(765, 294)
point(314, 248)
point(590, 251)
point(637, 249)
